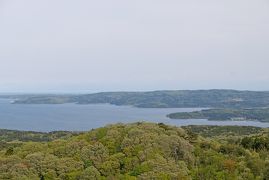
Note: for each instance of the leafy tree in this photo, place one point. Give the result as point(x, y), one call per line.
point(141, 151)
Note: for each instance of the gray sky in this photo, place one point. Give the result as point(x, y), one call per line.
point(104, 45)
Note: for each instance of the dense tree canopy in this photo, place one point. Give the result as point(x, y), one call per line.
point(139, 151)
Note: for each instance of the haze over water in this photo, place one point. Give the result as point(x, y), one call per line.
point(49, 117)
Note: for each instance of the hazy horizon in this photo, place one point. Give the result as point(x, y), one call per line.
point(93, 92)
point(91, 46)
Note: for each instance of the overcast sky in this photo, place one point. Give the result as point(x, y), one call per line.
point(105, 45)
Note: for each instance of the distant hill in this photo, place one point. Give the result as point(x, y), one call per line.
point(161, 99)
point(253, 114)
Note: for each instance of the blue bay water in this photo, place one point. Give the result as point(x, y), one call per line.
point(50, 117)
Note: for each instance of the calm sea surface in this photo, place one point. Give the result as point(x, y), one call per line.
point(85, 117)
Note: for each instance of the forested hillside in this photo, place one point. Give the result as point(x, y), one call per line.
point(158, 99)
point(141, 151)
point(25, 136)
point(251, 114)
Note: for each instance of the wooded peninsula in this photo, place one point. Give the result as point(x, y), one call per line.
point(255, 114)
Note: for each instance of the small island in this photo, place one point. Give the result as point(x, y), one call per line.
point(252, 114)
